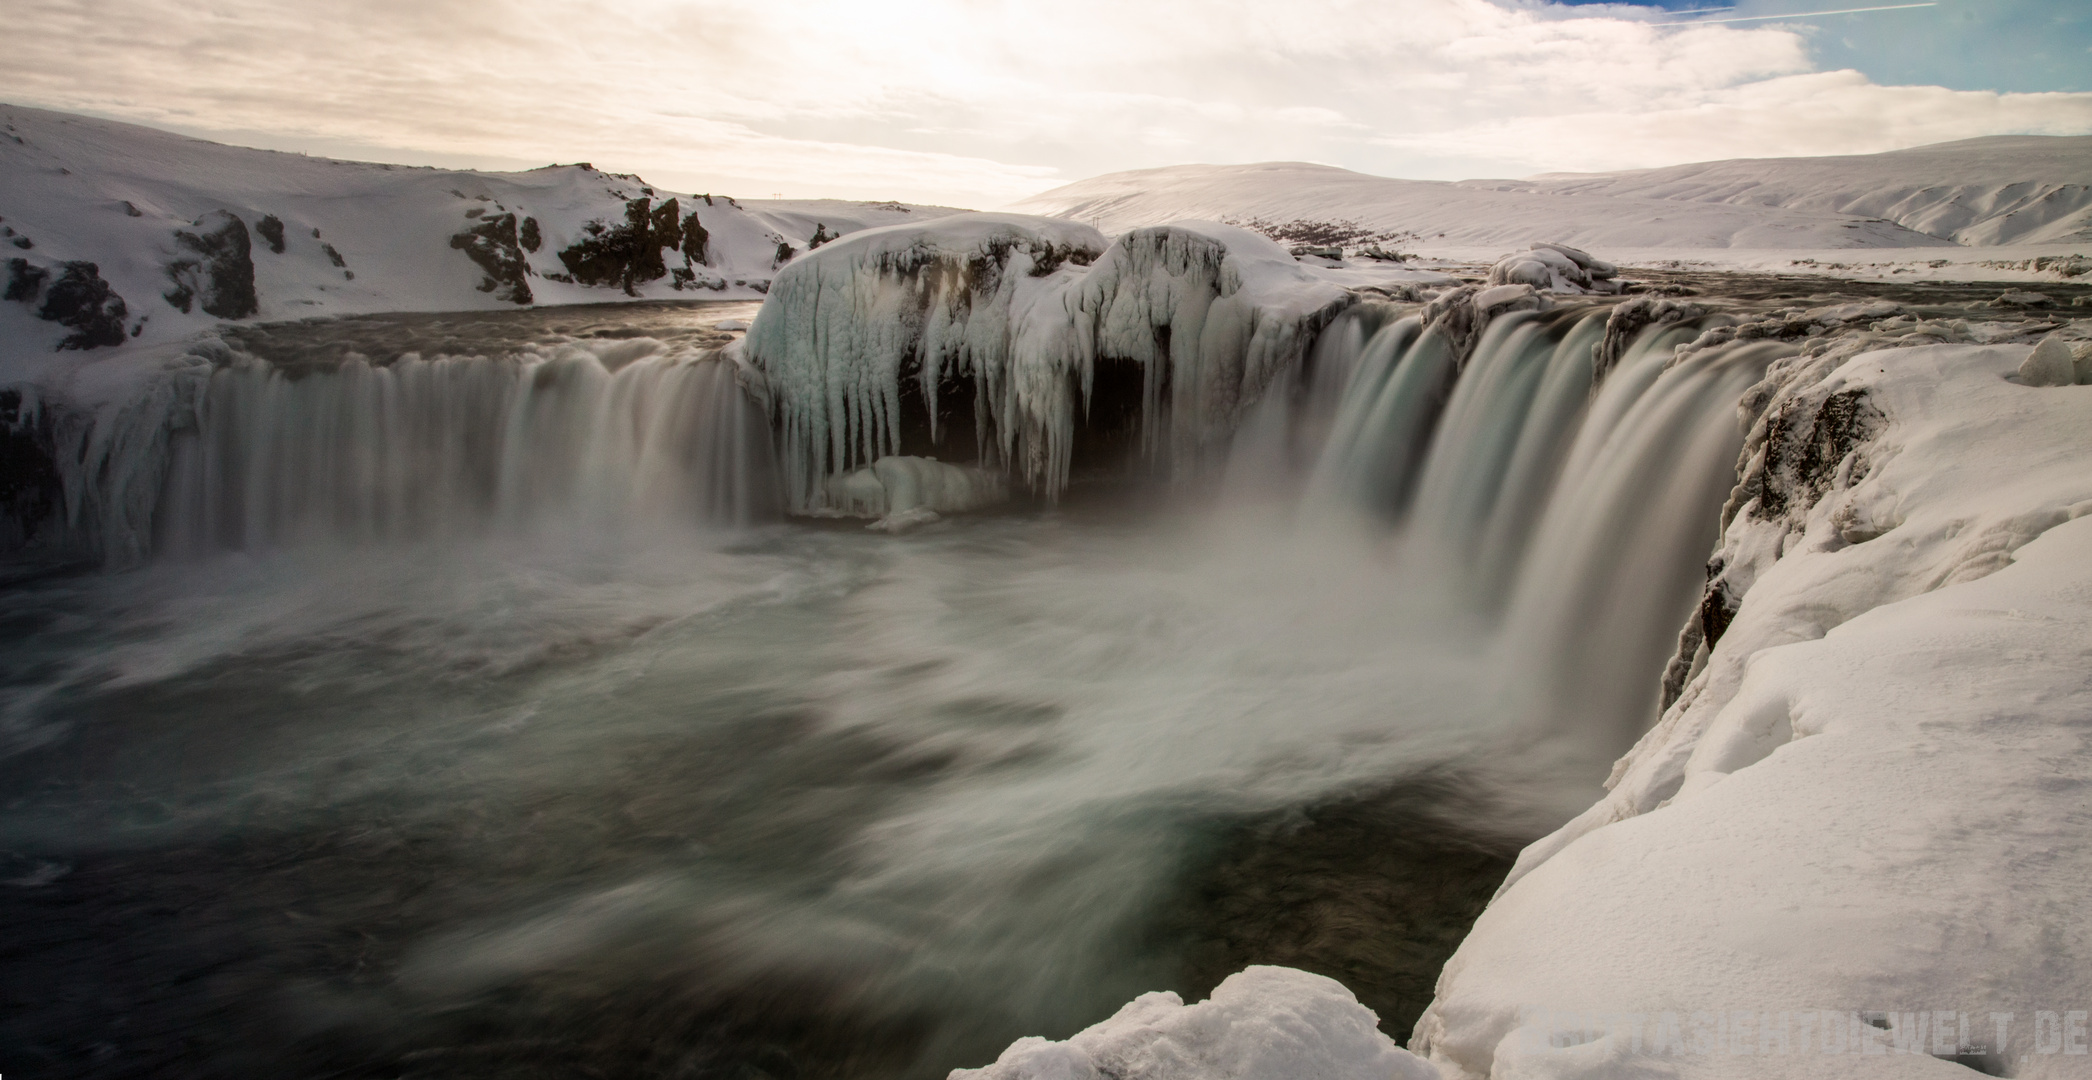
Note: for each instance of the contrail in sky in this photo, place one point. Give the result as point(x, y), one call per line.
point(1799, 14)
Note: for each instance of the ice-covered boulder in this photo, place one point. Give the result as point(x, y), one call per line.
point(973, 302)
point(1212, 313)
point(914, 490)
point(999, 323)
point(1263, 1023)
point(1556, 268)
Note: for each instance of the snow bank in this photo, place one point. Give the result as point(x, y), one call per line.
point(1863, 810)
point(1264, 1023)
point(874, 335)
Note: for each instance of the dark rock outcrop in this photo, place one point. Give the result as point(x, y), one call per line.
point(24, 280)
point(80, 299)
point(493, 245)
point(218, 269)
point(629, 254)
point(697, 241)
point(529, 236)
point(270, 229)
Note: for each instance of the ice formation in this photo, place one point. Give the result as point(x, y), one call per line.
point(904, 491)
point(869, 337)
point(1263, 1023)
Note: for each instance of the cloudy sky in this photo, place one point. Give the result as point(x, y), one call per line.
point(980, 102)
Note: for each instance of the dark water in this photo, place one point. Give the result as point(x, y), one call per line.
point(801, 802)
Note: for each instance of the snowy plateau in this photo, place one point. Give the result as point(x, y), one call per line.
point(1855, 836)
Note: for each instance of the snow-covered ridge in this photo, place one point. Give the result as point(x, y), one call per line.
point(181, 233)
point(2017, 190)
point(2004, 189)
point(886, 341)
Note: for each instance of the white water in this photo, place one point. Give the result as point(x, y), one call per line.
point(962, 775)
point(450, 447)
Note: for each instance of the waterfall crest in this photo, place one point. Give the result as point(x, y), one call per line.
point(238, 453)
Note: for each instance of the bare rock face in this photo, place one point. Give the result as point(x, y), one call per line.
point(628, 254)
point(270, 229)
point(697, 241)
point(81, 300)
point(24, 280)
point(216, 269)
point(493, 245)
point(529, 236)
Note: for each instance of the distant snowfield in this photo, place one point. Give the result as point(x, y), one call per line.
point(1971, 203)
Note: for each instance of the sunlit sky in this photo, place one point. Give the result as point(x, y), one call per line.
point(980, 102)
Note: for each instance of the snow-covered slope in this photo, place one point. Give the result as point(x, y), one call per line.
point(1861, 821)
point(2005, 189)
point(2024, 189)
point(182, 233)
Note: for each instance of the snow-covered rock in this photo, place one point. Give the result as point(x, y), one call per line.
point(1264, 1023)
point(182, 233)
point(1862, 811)
point(1556, 268)
point(867, 343)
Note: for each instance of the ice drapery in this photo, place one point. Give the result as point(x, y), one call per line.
point(1023, 311)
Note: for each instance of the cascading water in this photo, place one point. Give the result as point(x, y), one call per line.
point(872, 805)
point(242, 453)
point(1573, 515)
point(452, 446)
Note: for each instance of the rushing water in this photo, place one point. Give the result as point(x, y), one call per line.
point(479, 728)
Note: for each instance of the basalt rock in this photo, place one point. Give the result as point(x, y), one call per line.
point(493, 245)
point(25, 280)
point(217, 270)
point(529, 236)
point(80, 299)
point(697, 241)
point(270, 229)
point(628, 254)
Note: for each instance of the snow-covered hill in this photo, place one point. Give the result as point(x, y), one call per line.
point(182, 233)
point(2006, 189)
point(2015, 190)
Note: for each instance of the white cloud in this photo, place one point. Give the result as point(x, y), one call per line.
point(977, 102)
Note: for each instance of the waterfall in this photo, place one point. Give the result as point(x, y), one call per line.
point(243, 454)
point(1575, 518)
